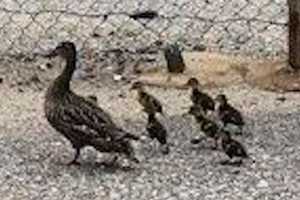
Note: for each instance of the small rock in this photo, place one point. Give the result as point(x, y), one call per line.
point(20, 90)
point(262, 184)
point(117, 77)
point(35, 79)
point(95, 35)
point(45, 66)
point(1, 80)
point(282, 99)
point(122, 95)
point(143, 138)
point(49, 65)
point(42, 67)
point(110, 68)
point(199, 47)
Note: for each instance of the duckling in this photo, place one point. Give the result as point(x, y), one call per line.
point(150, 104)
point(209, 127)
point(232, 147)
point(80, 120)
point(157, 131)
point(200, 98)
point(227, 113)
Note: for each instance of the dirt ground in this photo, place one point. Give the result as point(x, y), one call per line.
point(32, 154)
point(222, 70)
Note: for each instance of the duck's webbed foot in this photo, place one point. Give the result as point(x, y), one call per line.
point(74, 161)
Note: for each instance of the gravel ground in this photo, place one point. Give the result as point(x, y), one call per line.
point(33, 154)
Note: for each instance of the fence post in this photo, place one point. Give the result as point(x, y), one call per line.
point(294, 33)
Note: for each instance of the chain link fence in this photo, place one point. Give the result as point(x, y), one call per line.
point(101, 26)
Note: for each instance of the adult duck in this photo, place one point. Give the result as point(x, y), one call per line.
point(80, 120)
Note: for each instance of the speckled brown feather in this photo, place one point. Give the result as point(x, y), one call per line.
point(80, 120)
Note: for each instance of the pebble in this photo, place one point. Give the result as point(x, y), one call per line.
point(263, 184)
point(117, 77)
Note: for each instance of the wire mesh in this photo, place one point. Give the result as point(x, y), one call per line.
point(242, 26)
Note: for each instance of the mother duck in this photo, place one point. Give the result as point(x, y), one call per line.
point(81, 121)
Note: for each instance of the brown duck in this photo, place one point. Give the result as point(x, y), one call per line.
point(200, 98)
point(209, 127)
point(80, 120)
point(150, 104)
point(227, 113)
point(157, 131)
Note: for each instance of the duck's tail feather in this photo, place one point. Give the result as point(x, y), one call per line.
point(126, 135)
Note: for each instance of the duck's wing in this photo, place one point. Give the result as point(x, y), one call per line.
point(80, 112)
point(240, 149)
point(235, 148)
point(201, 98)
point(235, 116)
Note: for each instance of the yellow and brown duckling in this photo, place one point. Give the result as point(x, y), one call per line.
point(80, 120)
point(209, 127)
point(227, 113)
point(150, 104)
point(200, 98)
point(233, 148)
point(157, 131)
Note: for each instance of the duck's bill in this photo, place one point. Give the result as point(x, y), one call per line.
point(52, 54)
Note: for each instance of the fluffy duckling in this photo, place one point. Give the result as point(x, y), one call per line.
point(80, 120)
point(232, 148)
point(227, 113)
point(157, 131)
point(209, 127)
point(150, 104)
point(200, 98)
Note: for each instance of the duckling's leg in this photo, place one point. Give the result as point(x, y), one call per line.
point(169, 78)
point(215, 146)
point(77, 154)
point(165, 149)
point(240, 130)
